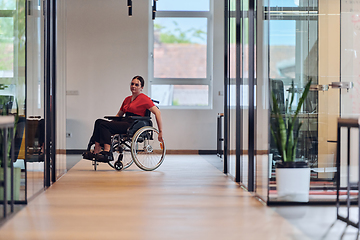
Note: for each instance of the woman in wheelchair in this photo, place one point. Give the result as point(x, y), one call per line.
point(135, 105)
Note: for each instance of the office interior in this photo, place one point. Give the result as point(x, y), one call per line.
point(66, 63)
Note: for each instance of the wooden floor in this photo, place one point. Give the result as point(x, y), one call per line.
point(186, 198)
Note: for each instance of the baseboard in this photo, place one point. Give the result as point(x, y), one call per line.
point(75, 151)
point(207, 152)
point(183, 152)
point(61, 151)
point(180, 152)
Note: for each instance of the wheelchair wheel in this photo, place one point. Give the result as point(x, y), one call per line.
point(121, 153)
point(146, 150)
point(118, 165)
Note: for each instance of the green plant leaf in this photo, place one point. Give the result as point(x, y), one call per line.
point(286, 138)
point(281, 129)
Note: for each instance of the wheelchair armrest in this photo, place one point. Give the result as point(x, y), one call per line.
point(114, 118)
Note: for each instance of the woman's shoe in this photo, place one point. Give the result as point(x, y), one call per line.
point(88, 155)
point(104, 156)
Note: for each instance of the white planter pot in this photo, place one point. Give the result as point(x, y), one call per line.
point(293, 184)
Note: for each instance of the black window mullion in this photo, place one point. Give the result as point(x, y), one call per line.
point(251, 137)
point(47, 92)
point(53, 93)
point(226, 82)
point(238, 92)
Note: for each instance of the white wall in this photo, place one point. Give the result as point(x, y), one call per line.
point(105, 49)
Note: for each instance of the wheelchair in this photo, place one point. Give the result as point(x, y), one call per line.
point(140, 145)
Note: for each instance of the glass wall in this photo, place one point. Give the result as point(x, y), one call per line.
point(231, 108)
point(12, 82)
point(243, 92)
point(35, 123)
point(262, 166)
point(22, 92)
point(293, 59)
point(60, 122)
point(350, 98)
point(281, 47)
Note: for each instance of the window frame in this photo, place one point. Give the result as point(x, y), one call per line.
point(208, 80)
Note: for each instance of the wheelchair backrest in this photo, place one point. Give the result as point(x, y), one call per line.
point(139, 123)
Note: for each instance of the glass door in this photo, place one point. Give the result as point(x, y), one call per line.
point(295, 59)
point(12, 83)
point(350, 85)
point(35, 123)
point(231, 89)
point(323, 170)
point(319, 41)
point(243, 92)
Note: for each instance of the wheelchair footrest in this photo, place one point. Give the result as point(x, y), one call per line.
point(88, 155)
point(104, 157)
point(102, 160)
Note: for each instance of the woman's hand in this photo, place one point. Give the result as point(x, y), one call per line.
point(160, 138)
point(120, 113)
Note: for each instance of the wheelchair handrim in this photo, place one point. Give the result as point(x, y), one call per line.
point(134, 149)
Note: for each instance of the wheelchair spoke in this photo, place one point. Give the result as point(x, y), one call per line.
point(125, 151)
point(148, 153)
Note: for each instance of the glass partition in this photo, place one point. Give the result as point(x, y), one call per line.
point(35, 123)
point(244, 93)
point(12, 82)
point(232, 90)
point(293, 43)
point(350, 98)
point(262, 158)
point(60, 122)
point(306, 39)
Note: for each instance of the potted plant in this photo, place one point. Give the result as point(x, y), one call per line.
point(292, 177)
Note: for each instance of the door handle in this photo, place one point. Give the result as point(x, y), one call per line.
point(319, 88)
point(346, 85)
point(337, 85)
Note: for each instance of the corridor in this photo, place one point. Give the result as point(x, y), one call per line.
point(186, 198)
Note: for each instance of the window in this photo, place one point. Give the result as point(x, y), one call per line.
point(180, 70)
point(6, 47)
point(12, 54)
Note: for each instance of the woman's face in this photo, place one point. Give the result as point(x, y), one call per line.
point(135, 86)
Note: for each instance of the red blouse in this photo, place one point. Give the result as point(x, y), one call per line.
point(138, 106)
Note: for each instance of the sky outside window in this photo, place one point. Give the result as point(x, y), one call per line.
point(183, 5)
point(284, 3)
point(282, 32)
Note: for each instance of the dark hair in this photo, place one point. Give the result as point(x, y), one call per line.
point(140, 78)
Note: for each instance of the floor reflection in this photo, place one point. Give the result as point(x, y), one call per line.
point(319, 222)
point(35, 178)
